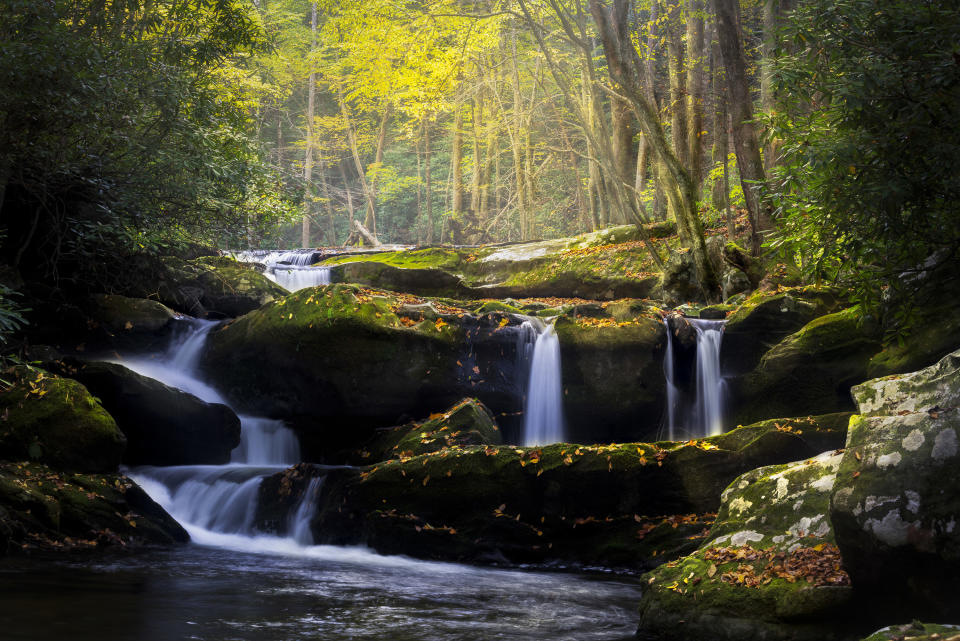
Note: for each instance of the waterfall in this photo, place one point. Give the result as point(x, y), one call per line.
point(214, 501)
point(292, 270)
point(698, 411)
point(543, 406)
point(710, 384)
point(299, 526)
point(673, 393)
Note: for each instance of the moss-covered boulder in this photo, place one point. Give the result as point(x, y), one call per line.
point(163, 425)
point(42, 509)
point(769, 568)
point(631, 505)
point(934, 333)
point(340, 361)
point(896, 505)
point(604, 265)
point(215, 286)
point(809, 371)
point(766, 318)
point(55, 421)
point(612, 376)
point(917, 631)
point(120, 314)
point(467, 423)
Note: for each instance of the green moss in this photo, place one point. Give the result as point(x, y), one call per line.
point(431, 258)
point(489, 306)
point(56, 421)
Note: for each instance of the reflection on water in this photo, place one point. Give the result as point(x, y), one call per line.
point(219, 594)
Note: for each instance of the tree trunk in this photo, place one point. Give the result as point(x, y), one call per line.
point(308, 161)
point(371, 219)
point(456, 162)
point(427, 179)
point(355, 151)
point(695, 88)
point(624, 131)
point(347, 193)
point(771, 14)
point(331, 232)
point(626, 70)
point(678, 84)
point(745, 144)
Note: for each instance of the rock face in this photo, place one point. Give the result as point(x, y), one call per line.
point(210, 286)
point(619, 505)
point(766, 318)
point(769, 568)
point(811, 370)
point(163, 425)
point(44, 509)
point(355, 359)
point(467, 423)
point(57, 422)
point(120, 314)
point(895, 506)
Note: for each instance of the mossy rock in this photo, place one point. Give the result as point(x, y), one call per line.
point(769, 568)
point(628, 505)
point(809, 371)
point(916, 631)
point(467, 423)
point(162, 425)
point(934, 334)
point(57, 422)
point(42, 509)
point(120, 314)
point(766, 318)
point(897, 507)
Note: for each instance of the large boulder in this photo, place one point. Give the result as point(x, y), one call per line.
point(917, 631)
point(163, 425)
point(631, 505)
point(810, 371)
point(766, 318)
point(355, 359)
point(768, 570)
point(467, 423)
point(897, 501)
point(57, 422)
point(49, 510)
point(214, 286)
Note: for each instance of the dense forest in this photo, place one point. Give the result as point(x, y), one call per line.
point(823, 129)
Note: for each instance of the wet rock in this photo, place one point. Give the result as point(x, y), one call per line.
point(162, 425)
point(42, 509)
point(895, 506)
point(769, 568)
point(56, 421)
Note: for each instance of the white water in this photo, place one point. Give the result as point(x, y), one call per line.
point(673, 393)
point(292, 270)
point(700, 413)
point(215, 500)
point(543, 421)
point(710, 384)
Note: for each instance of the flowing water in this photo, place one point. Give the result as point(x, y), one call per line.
point(697, 412)
point(293, 270)
point(543, 421)
point(233, 583)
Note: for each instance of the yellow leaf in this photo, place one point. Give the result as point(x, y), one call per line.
point(426, 479)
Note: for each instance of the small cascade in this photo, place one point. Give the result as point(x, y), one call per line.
point(299, 526)
point(695, 404)
point(543, 421)
point(293, 270)
point(673, 392)
point(214, 500)
point(710, 384)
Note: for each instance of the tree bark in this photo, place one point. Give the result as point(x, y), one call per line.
point(427, 179)
point(308, 161)
point(745, 143)
point(355, 152)
point(678, 84)
point(626, 69)
point(695, 88)
point(456, 162)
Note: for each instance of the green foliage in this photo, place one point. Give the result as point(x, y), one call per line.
point(121, 118)
point(868, 192)
point(11, 314)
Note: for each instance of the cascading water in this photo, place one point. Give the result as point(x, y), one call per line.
point(292, 270)
point(698, 412)
point(212, 500)
point(543, 406)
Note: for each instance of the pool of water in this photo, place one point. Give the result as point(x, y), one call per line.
point(220, 592)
